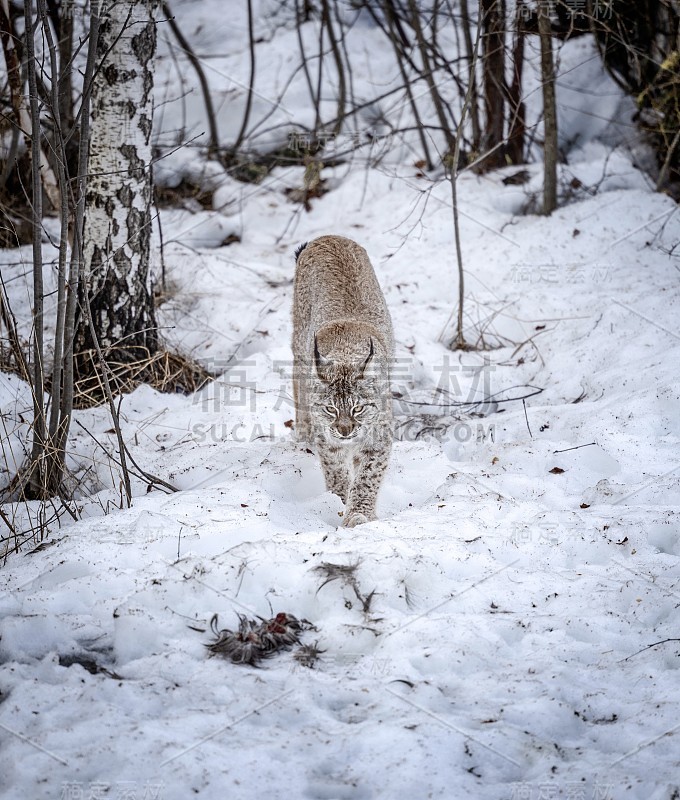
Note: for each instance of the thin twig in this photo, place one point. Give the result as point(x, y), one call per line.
point(143, 475)
point(251, 80)
point(214, 143)
point(453, 177)
point(649, 646)
point(38, 473)
point(578, 447)
point(76, 267)
point(526, 417)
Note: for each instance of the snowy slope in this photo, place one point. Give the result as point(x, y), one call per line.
point(502, 654)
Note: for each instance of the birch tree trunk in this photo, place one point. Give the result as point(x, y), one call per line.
point(117, 213)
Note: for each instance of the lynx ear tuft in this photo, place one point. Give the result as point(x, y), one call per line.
point(321, 363)
point(371, 352)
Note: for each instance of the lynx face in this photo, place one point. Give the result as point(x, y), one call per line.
point(347, 399)
point(346, 406)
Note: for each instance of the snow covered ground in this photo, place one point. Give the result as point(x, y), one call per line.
point(523, 562)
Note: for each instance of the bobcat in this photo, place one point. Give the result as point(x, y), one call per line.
point(342, 349)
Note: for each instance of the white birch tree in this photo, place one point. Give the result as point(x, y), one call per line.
point(117, 216)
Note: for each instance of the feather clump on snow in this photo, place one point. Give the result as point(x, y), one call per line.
point(255, 640)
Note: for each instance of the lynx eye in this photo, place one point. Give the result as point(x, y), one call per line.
point(359, 409)
point(330, 410)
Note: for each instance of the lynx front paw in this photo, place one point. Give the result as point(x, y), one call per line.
point(354, 518)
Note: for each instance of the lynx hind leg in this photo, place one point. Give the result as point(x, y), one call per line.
point(370, 468)
point(335, 471)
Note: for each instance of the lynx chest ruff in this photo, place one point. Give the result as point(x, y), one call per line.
point(342, 352)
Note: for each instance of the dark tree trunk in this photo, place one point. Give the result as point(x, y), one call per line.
point(517, 123)
point(61, 16)
point(474, 103)
point(428, 73)
point(493, 58)
point(12, 51)
point(549, 115)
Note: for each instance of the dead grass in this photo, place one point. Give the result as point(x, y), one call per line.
point(164, 371)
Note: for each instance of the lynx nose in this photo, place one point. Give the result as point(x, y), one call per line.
point(344, 427)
